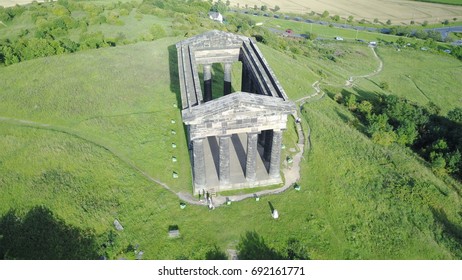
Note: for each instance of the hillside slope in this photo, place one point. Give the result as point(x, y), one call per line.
point(83, 134)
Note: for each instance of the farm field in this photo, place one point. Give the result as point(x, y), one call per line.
point(397, 11)
point(450, 2)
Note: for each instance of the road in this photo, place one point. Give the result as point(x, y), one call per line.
point(385, 30)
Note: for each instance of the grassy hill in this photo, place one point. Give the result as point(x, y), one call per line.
point(87, 135)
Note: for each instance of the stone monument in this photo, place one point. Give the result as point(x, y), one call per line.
point(235, 140)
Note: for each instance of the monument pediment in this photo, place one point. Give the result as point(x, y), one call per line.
point(238, 106)
point(223, 130)
point(214, 39)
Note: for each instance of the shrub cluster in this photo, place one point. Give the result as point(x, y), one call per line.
point(392, 119)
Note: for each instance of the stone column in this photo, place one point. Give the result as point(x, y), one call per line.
point(199, 163)
point(275, 163)
point(268, 144)
point(252, 152)
point(207, 82)
point(245, 86)
point(261, 138)
point(224, 172)
point(227, 78)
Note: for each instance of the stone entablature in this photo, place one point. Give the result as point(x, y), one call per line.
point(240, 112)
point(259, 110)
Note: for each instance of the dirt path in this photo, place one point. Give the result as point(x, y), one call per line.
point(291, 174)
point(76, 134)
point(379, 69)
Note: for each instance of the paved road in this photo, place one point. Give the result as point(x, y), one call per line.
point(385, 30)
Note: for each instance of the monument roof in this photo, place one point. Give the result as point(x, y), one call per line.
point(237, 103)
point(214, 39)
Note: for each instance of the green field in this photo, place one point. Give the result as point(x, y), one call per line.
point(88, 136)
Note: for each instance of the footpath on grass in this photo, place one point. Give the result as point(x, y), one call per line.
point(291, 172)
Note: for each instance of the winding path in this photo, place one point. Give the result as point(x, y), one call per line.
point(379, 69)
point(291, 173)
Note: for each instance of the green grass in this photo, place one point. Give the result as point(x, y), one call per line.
point(101, 116)
point(346, 181)
point(132, 27)
point(421, 76)
point(108, 96)
point(321, 30)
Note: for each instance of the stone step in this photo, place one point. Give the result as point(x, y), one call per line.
point(213, 192)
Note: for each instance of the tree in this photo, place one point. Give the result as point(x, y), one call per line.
point(453, 160)
point(406, 134)
point(219, 7)
point(276, 8)
point(365, 107)
point(455, 115)
point(350, 102)
point(215, 254)
point(336, 18)
point(376, 20)
point(296, 250)
point(325, 14)
point(350, 19)
point(157, 31)
point(438, 163)
point(264, 8)
point(388, 22)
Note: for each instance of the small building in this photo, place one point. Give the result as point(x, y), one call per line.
point(339, 38)
point(216, 16)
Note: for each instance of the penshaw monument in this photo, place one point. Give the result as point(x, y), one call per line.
point(235, 139)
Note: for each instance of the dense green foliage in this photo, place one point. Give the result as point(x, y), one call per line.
point(67, 26)
point(390, 119)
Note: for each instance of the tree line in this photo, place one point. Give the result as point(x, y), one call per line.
point(56, 24)
point(390, 119)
